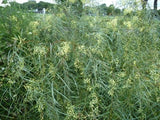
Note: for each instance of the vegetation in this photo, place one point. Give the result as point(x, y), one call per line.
point(63, 67)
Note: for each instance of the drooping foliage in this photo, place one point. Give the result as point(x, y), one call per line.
point(64, 67)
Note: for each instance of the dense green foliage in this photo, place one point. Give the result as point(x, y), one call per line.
point(111, 10)
point(32, 5)
point(61, 67)
point(76, 7)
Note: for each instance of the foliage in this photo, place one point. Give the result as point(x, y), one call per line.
point(103, 10)
point(32, 5)
point(62, 67)
point(74, 6)
point(13, 23)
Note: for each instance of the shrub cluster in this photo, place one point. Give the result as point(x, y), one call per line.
point(57, 67)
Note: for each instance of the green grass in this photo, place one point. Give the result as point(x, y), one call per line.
point(94, 68)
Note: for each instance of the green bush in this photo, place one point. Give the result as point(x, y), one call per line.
point(92, 68)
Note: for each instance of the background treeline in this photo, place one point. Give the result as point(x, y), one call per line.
point(101, 9)
point(104, 10)
point(30, 5)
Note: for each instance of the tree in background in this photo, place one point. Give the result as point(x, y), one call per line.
point(103, 9)
point(144, 3)
point(110, 10)
point(31, 4)
point(155, 4)
point(117, 11)
point(4, 3)
point(46, 5)
point(75, 5)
